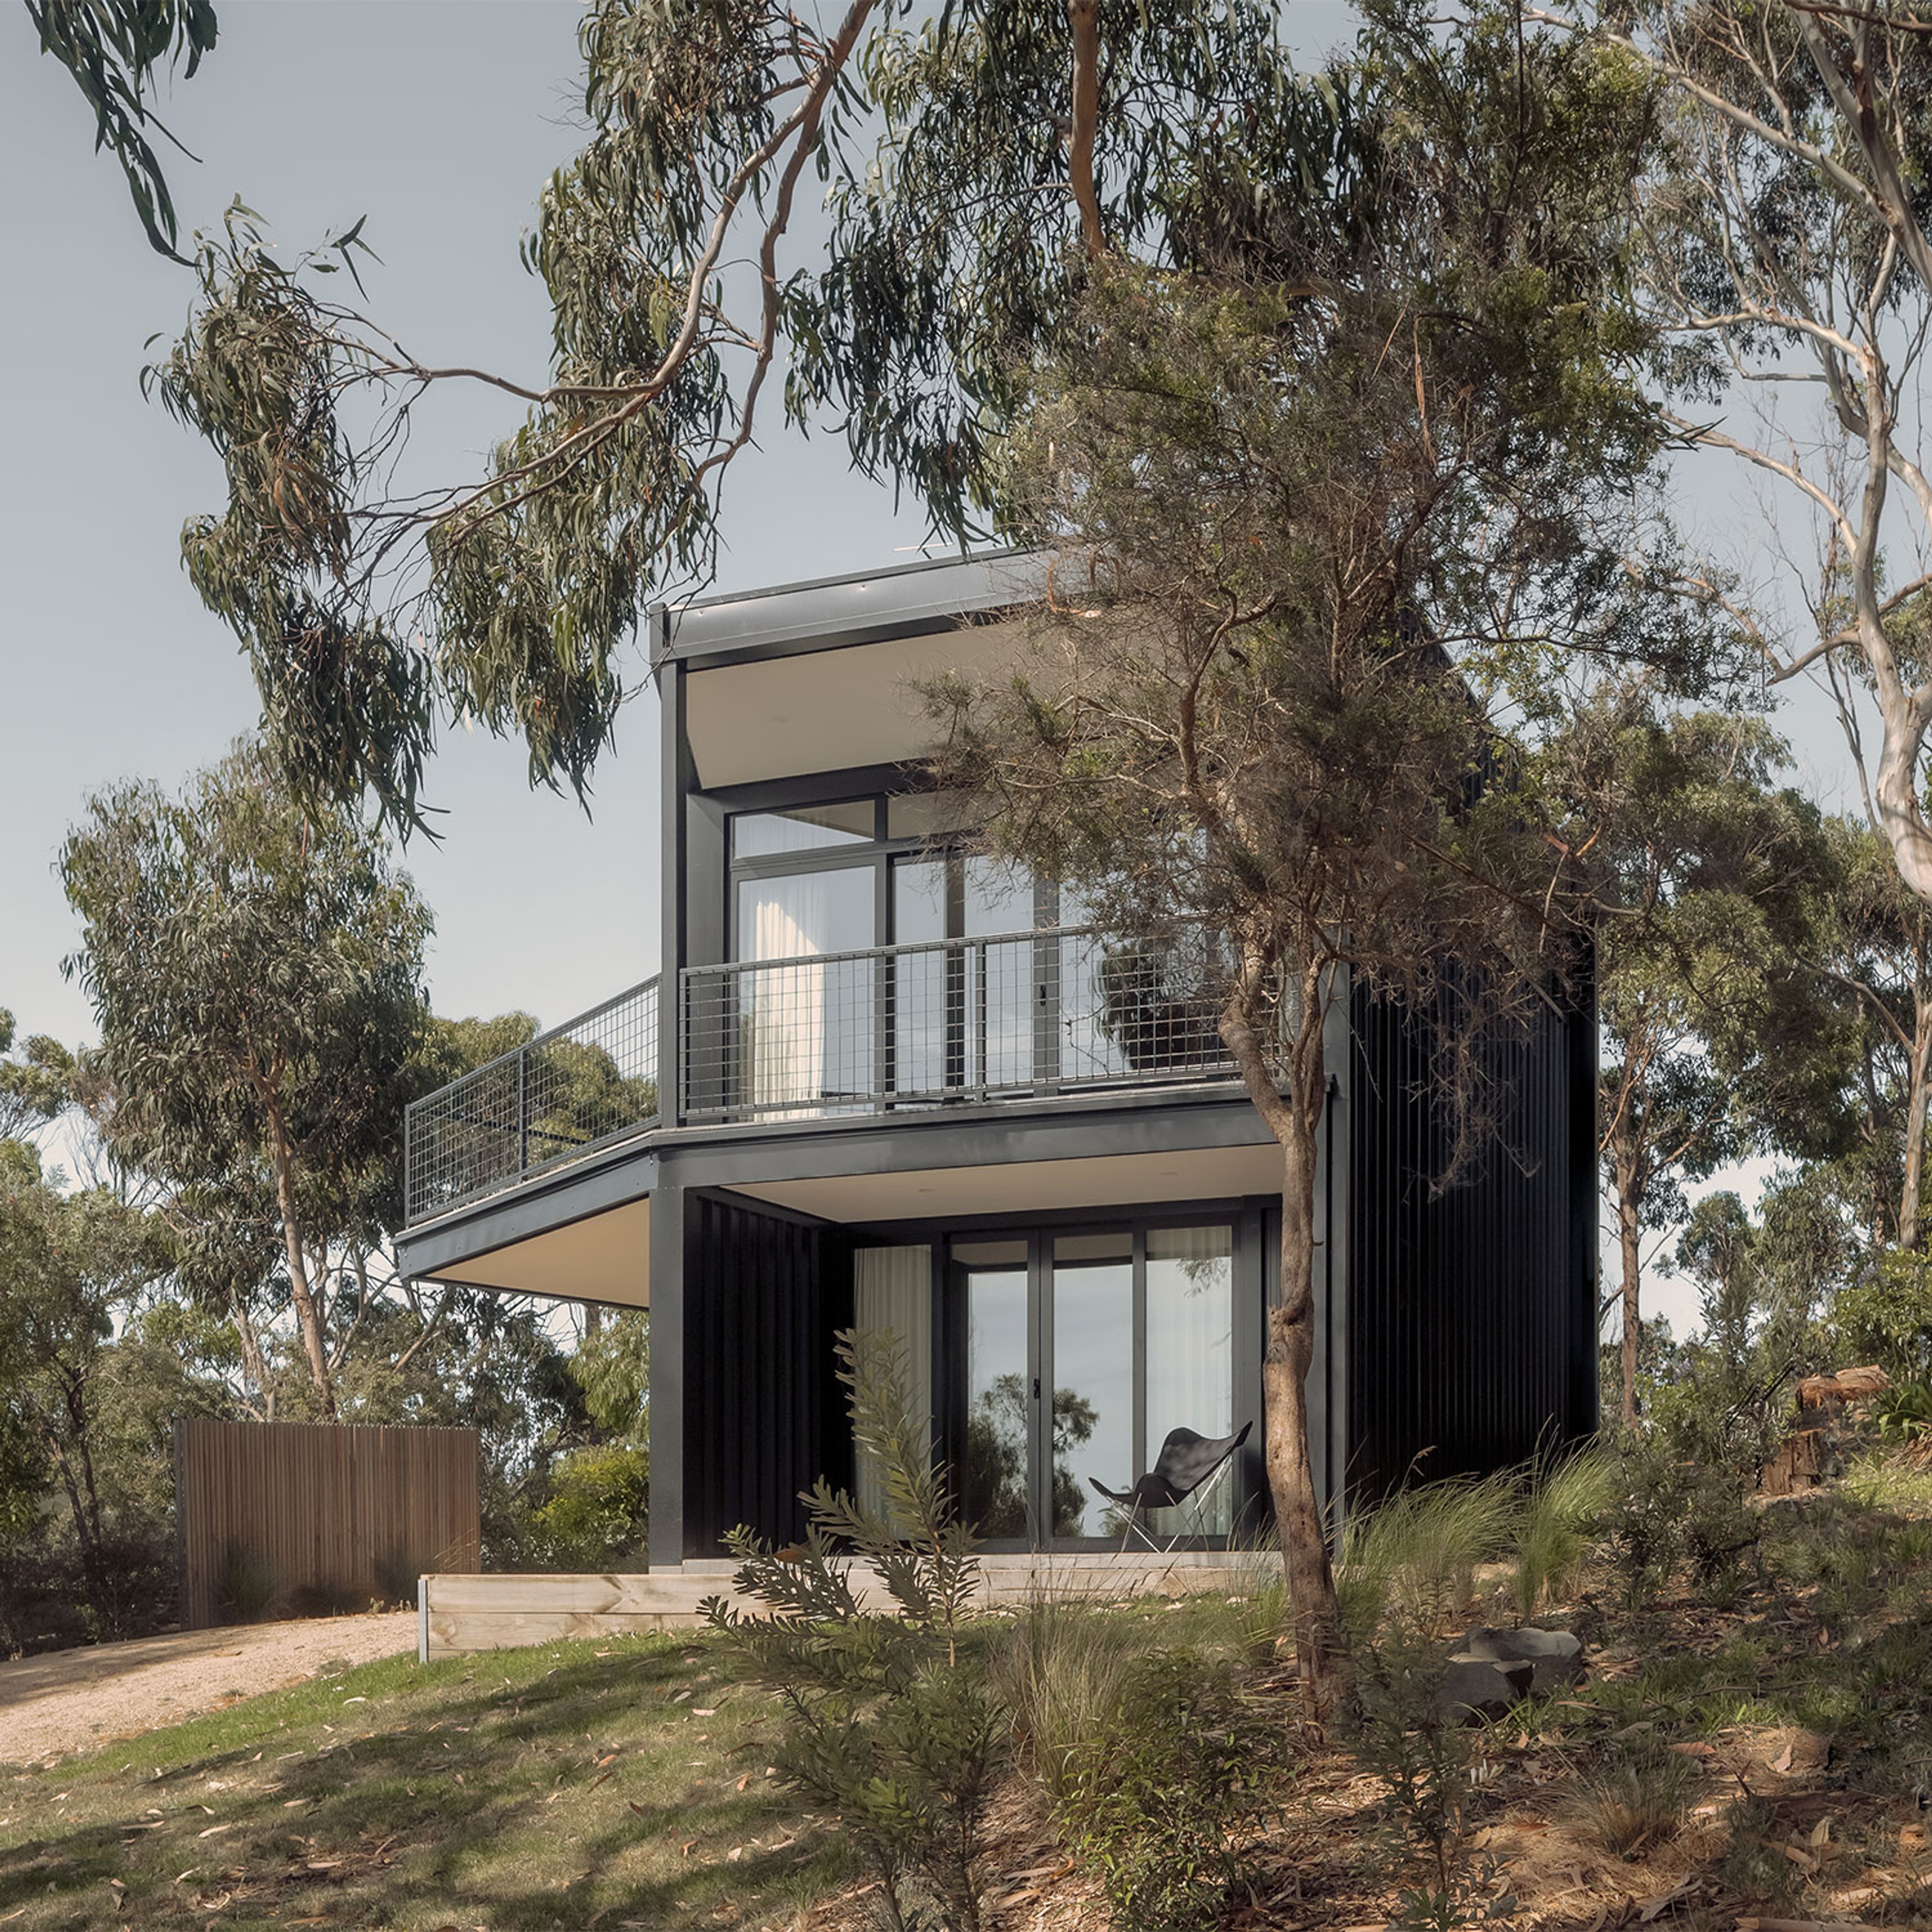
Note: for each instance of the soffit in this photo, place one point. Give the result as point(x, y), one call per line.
point(604, 1258)
point(1116, 1181)
point(829, 711)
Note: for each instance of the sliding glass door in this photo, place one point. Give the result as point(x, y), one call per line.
point(1132, 1330)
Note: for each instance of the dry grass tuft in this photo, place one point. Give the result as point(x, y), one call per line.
point(1642, 1801)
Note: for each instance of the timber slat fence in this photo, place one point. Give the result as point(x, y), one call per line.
point(282, 1518)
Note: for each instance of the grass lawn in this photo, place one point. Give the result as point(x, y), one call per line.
point(1761, 1746)
point(605, 1783)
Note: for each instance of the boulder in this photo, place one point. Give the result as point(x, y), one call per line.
point(1556, 1655)
point(1474, 1688)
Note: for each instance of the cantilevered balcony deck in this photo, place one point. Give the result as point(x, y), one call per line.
point(580, 1086)
point(1018, 1017)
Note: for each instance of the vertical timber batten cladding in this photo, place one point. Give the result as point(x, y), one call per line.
point(764, 1414)
point(1472, 1307)
point(335, 1515)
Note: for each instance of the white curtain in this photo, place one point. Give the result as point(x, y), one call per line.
point(892, 1294)
point(805, 1030)
point(787, 1004)
point(1190, 1352)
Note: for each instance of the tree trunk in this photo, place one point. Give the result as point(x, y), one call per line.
point(1083, 20)
point(1627, 1184)
point(307, 1316)
point(1295, 1120)
point(254, 1368)
point(1915, 1121)
point(1299, 1517)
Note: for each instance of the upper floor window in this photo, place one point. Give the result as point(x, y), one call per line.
point(805, 828)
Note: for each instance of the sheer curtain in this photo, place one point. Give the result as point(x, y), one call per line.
point(800, 1046)
point(1190, 1355)
point(891, 1293)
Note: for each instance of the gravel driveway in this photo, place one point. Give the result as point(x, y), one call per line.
point(71, 1700)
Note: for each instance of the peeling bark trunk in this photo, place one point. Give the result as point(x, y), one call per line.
point(1629, 1248)
point(1295, 1120)
point(1083, 21)
point(254, 1368)
point(308, 1315)
point(1299, 1517)
point(1909, 1233)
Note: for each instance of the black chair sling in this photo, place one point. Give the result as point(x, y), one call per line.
point(1188, 1462)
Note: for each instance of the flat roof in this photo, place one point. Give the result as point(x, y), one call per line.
point(903, 600)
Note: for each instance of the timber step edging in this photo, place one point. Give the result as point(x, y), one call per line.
point(457, 1614)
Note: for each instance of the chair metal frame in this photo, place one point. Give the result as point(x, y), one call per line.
point(1158, 1489)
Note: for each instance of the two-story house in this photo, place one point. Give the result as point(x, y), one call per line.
point(878, 1080)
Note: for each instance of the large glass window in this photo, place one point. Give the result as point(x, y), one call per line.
point(804, 828)
point(1190, 1354)
point(1093, 1378)
point(965, 1008)
point(996, 1462)
point(964, 1015)
point(1134, 1334)
point(805, 1029)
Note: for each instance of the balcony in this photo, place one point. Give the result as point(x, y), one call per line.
point(1013, 1017)
point(584, 1085)
point(1017, 1015)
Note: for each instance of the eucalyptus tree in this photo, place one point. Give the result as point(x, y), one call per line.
point(1784, 237)
point(1310, 499)
point(975, 163)
point(256, 972)
point(74, 1265)
point(35, 1084)
point(1874, 950)
point(116, 51)
point(1711, 889)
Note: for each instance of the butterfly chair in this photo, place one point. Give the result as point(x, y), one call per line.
point(1187, 1463)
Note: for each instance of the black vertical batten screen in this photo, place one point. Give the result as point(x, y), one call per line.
point(764, 1415)
point(1471, 1308)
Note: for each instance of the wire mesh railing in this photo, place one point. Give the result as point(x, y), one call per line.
point(943, 1021)
point(592, 1081)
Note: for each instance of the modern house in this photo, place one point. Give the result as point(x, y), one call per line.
point(878, 1080)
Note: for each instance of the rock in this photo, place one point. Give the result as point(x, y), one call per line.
point(1476, 1688)
point(1557, 1654)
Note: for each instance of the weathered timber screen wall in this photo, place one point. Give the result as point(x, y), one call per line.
point(281, 1518)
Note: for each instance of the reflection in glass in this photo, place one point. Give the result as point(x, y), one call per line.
point(994, 1471)
point(1190, 1359)
point(963, 1014)
point(805, 828)
point(805, 1034)
point(1094, 1381)
point(999, 899)
point(930, 815)
point(920, 1006)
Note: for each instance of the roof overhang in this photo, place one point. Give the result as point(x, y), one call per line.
point(835, 710)
point(1034, 1186)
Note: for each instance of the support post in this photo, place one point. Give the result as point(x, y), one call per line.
point(670, 1366)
